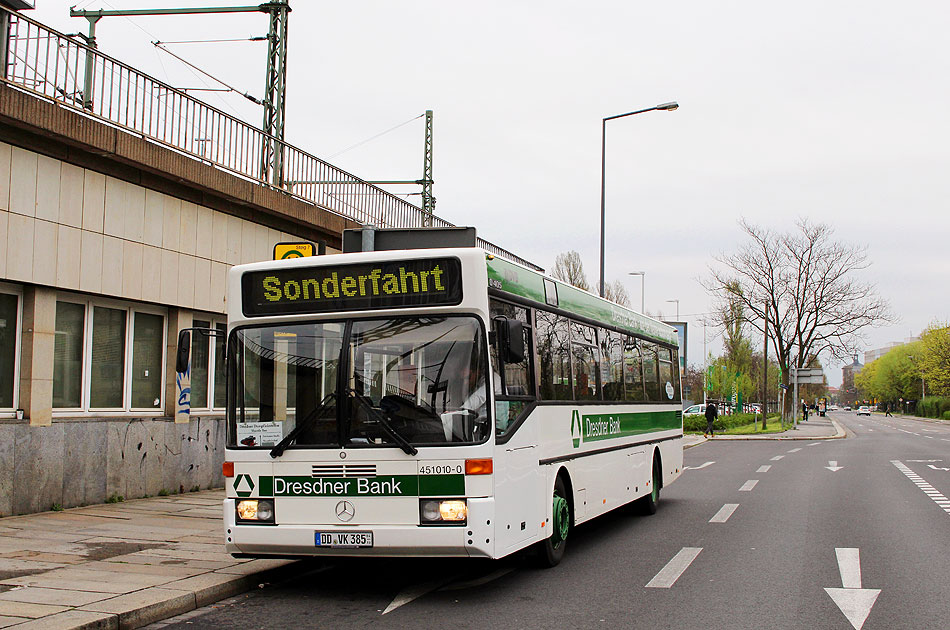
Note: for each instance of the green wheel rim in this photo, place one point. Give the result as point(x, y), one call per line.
point(562, 520)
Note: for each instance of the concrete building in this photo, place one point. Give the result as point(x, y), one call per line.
point(121, 212)
point(848, 393)
point(877, 353)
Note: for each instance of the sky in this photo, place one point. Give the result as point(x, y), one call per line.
point(831, 111)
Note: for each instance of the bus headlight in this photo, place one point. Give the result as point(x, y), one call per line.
point(255, 511)
point(443, 511)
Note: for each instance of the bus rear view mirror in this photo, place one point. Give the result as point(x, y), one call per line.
point(183, 356)
point(510, 339)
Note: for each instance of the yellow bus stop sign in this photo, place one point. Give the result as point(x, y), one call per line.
point(283, 251)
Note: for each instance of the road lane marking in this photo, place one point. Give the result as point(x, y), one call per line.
point(929, 437)
point(921, 483)
point(479, 581)
point(937, 467)
point(852, 600)
point(701, 466)
point(415, 592)
point(674, 568)
point(814, 444)
point(763, 468)
point(795, 450)
point(777, 457)
point(747, 486)
point(833, 466)
point(724, 513)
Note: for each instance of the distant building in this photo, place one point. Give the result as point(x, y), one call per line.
point(848, 392)
point(877, 353)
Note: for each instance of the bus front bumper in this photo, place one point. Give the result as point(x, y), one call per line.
point(470, 540)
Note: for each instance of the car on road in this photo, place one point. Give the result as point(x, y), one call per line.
point(864, 411)
point(847, 408)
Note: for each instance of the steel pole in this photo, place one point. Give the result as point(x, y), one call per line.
point(603, 183)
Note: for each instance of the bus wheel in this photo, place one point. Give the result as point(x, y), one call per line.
point(551, 550)
point(649, 502)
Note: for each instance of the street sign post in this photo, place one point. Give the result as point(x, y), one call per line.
point(805, 376)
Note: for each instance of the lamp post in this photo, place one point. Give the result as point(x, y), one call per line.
point(667, 107)
point(677, 308)
point(643, 281)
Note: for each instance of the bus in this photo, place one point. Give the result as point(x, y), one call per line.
point(436, 402)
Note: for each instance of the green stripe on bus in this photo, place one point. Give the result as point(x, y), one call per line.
point(379, 486)
point(441, 485)
point(607, 426)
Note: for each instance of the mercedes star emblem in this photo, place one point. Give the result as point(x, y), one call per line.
point(345, 511)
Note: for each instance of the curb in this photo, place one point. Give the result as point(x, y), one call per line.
point(840, 433)
point(153, 604)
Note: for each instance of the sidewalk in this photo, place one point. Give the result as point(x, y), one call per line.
point(119, 565)
point(817, 428)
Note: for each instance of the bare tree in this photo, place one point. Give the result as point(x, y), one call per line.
point(569, 268)
point(804, 280)
point(616, 292)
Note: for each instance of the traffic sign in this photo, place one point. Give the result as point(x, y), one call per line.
point(808, 375)
point(299, 249)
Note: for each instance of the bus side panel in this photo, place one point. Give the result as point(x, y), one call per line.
point(671, 453)
point(519, 491)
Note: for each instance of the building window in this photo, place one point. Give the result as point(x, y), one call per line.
point(108, 357)
point(148, 337)
point(207, 366)
point(9, 344)
point(67, 355)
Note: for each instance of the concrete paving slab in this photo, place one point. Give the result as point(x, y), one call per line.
point(6, 622)
point(31, 611)
point(172, 571)
point(145, 606)
point(54, 596)
point(212, 587)
point(146, 559)
point(254, 566)
point(73, 620)
point(9, 565)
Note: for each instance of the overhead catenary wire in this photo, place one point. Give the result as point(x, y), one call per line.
point(370, 139)
point(231, 88)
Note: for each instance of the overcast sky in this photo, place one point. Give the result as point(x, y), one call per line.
point(834, 111)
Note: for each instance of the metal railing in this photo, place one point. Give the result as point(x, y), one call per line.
point(58, 67)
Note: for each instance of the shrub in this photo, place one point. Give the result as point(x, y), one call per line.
point(933, 407)
point(115, 498)
point(698, 422)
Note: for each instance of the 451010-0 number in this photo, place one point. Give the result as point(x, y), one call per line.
point(440, 469)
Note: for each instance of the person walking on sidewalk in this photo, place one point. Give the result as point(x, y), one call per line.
point(887, 410)
point(804, 411)
point(712, 412)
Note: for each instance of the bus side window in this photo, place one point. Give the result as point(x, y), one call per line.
point(650, 374)
point(632, 371)
point(611, 353)
point(586, 363)
point(554, 357)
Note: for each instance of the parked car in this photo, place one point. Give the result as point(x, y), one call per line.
point(695, 409)
point(864, 410)
point(847, 408)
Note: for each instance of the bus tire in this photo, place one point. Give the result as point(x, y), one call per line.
point(647, 505)
point(551, 549)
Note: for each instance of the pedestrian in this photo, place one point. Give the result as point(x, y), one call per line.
point(804, 411)
point(887, 410)
point(712, 412)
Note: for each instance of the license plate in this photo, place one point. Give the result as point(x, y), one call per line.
point(343, 539)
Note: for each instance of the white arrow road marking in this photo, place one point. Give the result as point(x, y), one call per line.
point(747, 486)
point(795, 450)
point(928, 489)
point(485, 579)
point(763, 469)
point(724, 513)
point(855, 602)
point(936, 467)
point(698, 467)
point(833, 466)
point(415, 592)
point(674, 568)
point(776, 458)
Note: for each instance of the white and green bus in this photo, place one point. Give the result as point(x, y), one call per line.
point(436, 402)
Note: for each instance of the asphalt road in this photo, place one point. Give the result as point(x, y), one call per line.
point(867, 517)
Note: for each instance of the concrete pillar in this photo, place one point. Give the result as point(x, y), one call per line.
point(178, 319)
point(36, 356)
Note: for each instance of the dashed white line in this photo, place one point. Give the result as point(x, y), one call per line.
point(724, 513)
point(747, 486)
point(674, 568)
point(777, 457)
point(928, 489)
point(814, 444)
point(763, 468)
point(795, 450)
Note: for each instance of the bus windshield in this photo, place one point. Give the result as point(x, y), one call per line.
point(374, 382)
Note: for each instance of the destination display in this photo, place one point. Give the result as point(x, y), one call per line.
point(364, 286)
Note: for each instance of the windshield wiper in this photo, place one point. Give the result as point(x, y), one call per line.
point(403, 443)
point(281, 446)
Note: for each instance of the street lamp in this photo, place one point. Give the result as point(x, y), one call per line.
point(667, 107)
point(643, 281)
point(677, 308)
